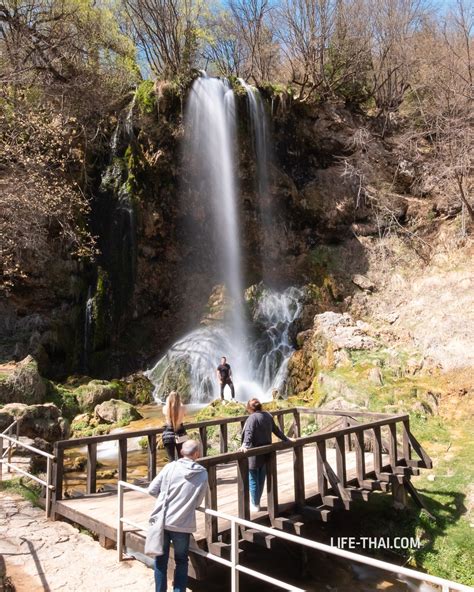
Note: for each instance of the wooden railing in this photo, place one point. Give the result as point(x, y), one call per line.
point(352, 435)
point(332, 486)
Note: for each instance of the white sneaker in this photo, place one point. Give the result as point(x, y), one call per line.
point(254, 508)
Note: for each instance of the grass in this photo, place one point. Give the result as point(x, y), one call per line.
point(447, 543)
point(17, 485)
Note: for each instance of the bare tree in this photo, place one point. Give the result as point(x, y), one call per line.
point(167, 32)
point(393, 28)
point(254, 28)
point(225, 48)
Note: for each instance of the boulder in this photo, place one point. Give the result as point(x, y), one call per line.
point(116, 411)
point(39, 421)
point(95, 392)
point(22, 382)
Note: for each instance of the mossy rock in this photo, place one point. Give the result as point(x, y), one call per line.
point(116, 411)
point(137, 389)
point(23, 384)
point(95, 392)
point(219, 409)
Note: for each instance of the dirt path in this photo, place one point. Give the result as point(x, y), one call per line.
point(43, 556)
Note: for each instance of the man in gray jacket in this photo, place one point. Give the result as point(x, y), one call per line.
point(181, 485)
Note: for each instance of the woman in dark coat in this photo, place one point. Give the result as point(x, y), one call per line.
point(258, 431)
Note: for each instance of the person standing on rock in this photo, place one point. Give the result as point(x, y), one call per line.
point(179, 488)
point(224, 375)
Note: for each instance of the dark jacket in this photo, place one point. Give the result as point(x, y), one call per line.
point(258, 431)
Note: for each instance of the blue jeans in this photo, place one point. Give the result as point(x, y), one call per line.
point(256, 483)
point(180, 542)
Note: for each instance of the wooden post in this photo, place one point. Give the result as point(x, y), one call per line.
point(272, 486)
point(341, 460)
point(203, 437)
point(377, 450)
point(151, 457)
point(297, 423)
point(243, 488)
point(321, 458)
point(223, 439)
point(1, 458)
point(58, 472)
point(211, 503)
point(91, 483)
point(406, 441)
point(399, 494)
point(298, 476)
point(281, 422)
point(122, 468)
point(360, 456)
point(348, 437)
point(392, 445)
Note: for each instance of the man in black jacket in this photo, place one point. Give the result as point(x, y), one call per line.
point(224, 375)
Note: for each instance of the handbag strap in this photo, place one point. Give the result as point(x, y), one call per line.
point(165, 500)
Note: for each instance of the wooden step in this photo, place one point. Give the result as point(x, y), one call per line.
point(292, 525)
point(375, 485)
point(258, 537)
point(322, 513)
point(333, 501)
point(221, 549)
point(359, 493)
point(407, 471)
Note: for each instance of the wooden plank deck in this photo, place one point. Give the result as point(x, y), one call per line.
point(98, 512)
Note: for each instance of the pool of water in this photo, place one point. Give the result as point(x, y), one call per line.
point(107, 453)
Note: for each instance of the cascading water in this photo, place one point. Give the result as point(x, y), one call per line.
point(258, 365)
point(259, 124)
point(88, 320)
point(210, 137)
point(190, 364)
point(269, 250)
point(276, 313)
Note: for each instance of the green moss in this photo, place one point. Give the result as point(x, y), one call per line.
point(146, 97)
point(30, 492)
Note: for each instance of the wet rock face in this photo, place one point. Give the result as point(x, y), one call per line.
point(309, 202)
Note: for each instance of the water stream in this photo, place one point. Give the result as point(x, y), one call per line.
point(258, 351)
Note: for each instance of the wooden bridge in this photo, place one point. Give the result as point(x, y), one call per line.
point(347, 457)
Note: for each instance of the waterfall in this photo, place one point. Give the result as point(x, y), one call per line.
point(209, 147)
point(190, 364)
point(269, 250)
point(259, 125)
point(88, 320)
point(276, 313)
point(258, 364)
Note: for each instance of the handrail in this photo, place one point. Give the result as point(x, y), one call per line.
point(50, 458)
point(236, 568)
point(302, 441)
point(9, 428)
point(76, 442)
point(28, 447)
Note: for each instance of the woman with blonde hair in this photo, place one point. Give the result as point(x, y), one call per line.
point(174, 433)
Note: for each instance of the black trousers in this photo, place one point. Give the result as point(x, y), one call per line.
point(173, 451)
point(231, 386)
